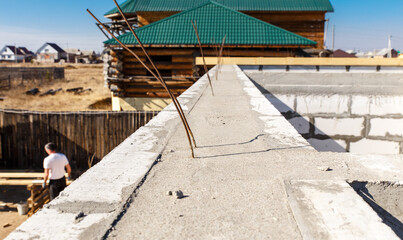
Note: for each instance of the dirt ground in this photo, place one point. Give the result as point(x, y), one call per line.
point(9, 217)
point(76, 75)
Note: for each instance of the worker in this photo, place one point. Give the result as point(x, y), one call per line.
point(54, 166)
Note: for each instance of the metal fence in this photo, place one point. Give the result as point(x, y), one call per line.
point(82, 136)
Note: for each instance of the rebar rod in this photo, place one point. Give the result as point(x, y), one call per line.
point(221, 49)
point(201, 51)
point(218, 54)
point(145, 66)
point(174, 99)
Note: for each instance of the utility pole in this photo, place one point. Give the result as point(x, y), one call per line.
point(333, 36)
point(389, 46)
point(15, 52)
point(326, 32)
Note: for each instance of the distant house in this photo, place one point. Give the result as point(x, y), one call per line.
point(342, 54)
point(383, 53)
point(50, 53)
point(81, 56)
point(12, 53)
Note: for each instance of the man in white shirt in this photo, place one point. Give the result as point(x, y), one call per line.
point(54, 165)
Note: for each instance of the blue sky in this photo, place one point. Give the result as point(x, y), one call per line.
point(360, 24)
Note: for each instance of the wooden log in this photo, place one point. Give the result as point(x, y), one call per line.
point(8, 175)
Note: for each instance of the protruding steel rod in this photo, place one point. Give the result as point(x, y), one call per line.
point(146, 67)
point(218, 55)
point(221, 49)
point(175, 100)
point(201, 51)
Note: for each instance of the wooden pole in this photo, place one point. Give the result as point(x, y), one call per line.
point(145, 66)
point(175, 101)
point(201, 51)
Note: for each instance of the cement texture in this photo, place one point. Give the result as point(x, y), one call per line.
point(234, 188)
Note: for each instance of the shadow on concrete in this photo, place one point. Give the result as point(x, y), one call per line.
point(253, 152)
point(387, 218)
point(321, 142)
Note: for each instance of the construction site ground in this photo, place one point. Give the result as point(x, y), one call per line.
point(76, 75)
point(9, 217)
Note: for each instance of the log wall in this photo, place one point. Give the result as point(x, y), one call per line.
point(127, 77)
point(79, 135)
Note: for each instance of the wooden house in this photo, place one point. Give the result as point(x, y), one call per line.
point(303, 17)
point(51, 53)
point(167, 33)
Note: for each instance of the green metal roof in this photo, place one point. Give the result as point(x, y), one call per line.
point(127, 7)
point(214, 21)
point(132, 6)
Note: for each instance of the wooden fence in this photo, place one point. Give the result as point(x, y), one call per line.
point(80, 135)
point(5, 82)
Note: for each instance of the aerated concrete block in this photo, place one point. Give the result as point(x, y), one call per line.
point(363, 69)
point(391, 69)
point(360, 105)
point(377, 105)
point(283, 103)
point(311, 104)
point(383, 105)
point(339, 126)
point(332, 69)
point(368, 146)
point(328, 145)
point(303, 68)
point(274, 68)
point(386, 126)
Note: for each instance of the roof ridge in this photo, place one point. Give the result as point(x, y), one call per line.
point(302, 5)
point(208, 2)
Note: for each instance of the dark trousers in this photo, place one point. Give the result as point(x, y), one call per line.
point(56, 186)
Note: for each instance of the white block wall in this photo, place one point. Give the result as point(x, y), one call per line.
point(377, 105)
point(339, 126)
point(348, 120)
point(313, 104)
point(375, 147)
point(386, 126)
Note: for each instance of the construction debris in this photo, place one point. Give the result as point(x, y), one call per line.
point(179, 194)
point(83, 91)
point(51, 92)
point(77, 89)
point(33, 91)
